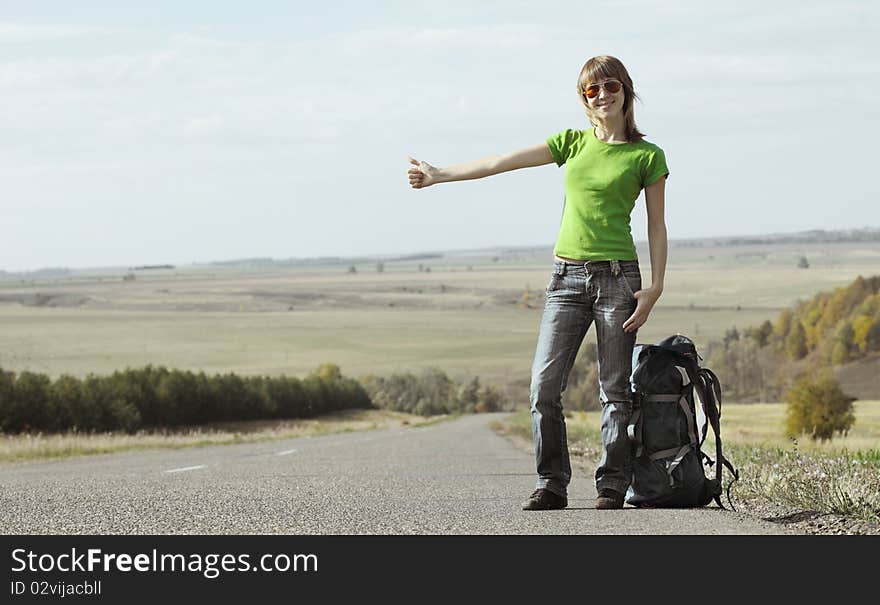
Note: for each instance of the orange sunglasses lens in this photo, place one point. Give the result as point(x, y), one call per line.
point(612, 86)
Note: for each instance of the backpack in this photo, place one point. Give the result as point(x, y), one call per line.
point(667, 428)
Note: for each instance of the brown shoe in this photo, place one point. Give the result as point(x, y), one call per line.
point(609, 499)
point(544, 499)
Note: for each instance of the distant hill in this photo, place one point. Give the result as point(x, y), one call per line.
point(46, 273)
point(816, 236)
point(835, 327)
point(838, 329)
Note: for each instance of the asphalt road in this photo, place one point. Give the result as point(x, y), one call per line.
point(455, 477)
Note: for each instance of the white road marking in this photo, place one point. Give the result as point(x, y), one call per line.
point(184, 469)
point(285, 452)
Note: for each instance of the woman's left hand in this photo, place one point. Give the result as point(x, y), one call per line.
point(645, 300)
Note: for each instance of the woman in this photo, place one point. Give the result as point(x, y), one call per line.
point(595, 275)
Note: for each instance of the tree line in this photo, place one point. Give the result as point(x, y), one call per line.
point(432, 392)
point(157, 397)
point(838, 326)
point(154, 396)
point(791, 358)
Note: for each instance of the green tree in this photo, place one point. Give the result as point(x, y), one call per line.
point(7, 398)
point(844, 343)
point(816, 406)
point(839, 353)
point(796, 341)
point(32, 404)
point(761, 334)
point(73, 411)
point(872, 338)
point(110, 411)
point(866, 332)
point(781, 327)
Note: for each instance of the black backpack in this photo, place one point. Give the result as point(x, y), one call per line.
point(667, 427)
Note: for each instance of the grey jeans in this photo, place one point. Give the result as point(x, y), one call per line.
point(580, 294)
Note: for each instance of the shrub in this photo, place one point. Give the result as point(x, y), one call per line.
point(353, 394)
point(153, 397)
point(328, 371)
point(72, 408)
point(111, 411)
point(817, 406)
point(761, 334)
point(139, 386)
point(469, 395)
point(315, 395)
point(839, 353)
point(30, 408)
point(582, 393)
point(7, 399)
point(287, 394)
point(489, 400)
point(739, 366)
point(581, 389)
point(430, 393)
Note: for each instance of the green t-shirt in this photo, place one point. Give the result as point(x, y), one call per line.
point(602, 183)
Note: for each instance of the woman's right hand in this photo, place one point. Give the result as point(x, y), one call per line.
point(421, 174)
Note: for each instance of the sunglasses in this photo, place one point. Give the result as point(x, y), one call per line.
point(612, 86)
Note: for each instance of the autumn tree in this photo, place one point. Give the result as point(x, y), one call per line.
point(817, 407)
point(761, 334)
point(329, 371)
point(796, 341)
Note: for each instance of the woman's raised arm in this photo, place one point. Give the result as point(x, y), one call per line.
point(422, 174)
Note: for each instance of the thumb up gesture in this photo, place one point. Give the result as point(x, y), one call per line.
point(421, 174)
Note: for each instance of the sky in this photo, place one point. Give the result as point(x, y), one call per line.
point(177, 132)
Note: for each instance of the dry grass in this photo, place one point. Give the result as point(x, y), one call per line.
point(289, 320)
point(762, 425)
point(39, 446)
point(844, 483)
point(841, 476)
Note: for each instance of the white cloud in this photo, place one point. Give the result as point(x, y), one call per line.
point(11, 32)
point(189, 124)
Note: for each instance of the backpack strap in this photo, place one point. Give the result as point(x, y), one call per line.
point(709, 389)
point(692, 431)
point(661, 397)
point(634, 431)
point(675, 454)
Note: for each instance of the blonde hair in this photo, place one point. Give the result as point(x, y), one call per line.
point(603, 67)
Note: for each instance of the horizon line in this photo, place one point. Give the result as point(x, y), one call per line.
point(405, 255)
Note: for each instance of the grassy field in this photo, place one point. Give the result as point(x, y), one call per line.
point(14, 448)
point(759, 425)
point(840, 477)
point(469, 315)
